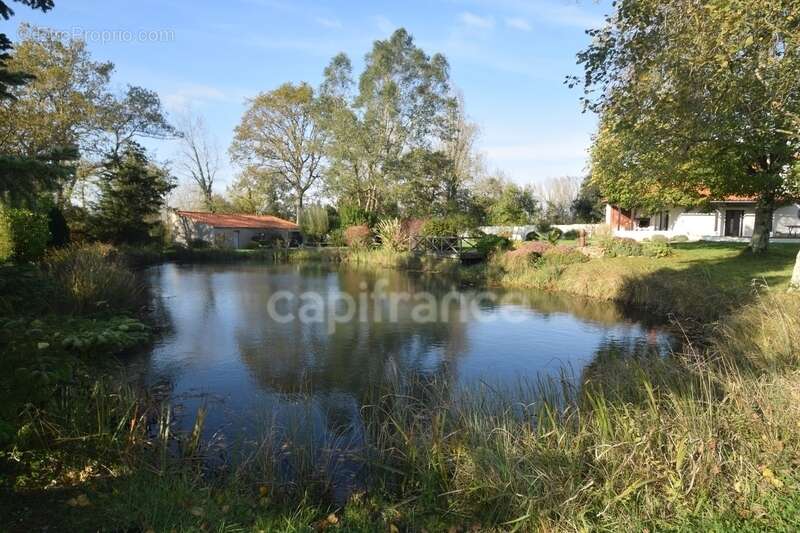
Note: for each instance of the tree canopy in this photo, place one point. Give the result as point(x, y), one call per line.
point(697, 99)
point(400, 105)
point(10, 77)
point(281, 133)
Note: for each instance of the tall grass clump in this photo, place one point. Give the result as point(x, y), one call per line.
point(92, 278)
point(765, 334)
point(694, 440)
point(383, 257)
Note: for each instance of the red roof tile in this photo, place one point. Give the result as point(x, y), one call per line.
point(239, 221)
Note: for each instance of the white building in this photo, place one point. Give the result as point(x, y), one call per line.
point(729, 219)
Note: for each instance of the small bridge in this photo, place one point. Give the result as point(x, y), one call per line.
point(462, 248)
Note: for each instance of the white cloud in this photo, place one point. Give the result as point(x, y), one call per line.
point(518, 23)
point(476, 21)
point(329, 23)
point(554, 12)
point(188, 96)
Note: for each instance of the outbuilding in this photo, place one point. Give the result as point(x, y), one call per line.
point(232, 230)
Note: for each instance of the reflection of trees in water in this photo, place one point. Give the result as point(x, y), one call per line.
point(552, 303)
point(314, 383)
point(357, 354)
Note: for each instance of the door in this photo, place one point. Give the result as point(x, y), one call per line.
point(236, 239)
point(733, 222)
point(622, 218)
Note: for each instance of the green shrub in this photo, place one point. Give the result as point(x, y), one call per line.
point(92, 278)
point(358, 236)
point(26, 232)
point(491, 244)
point(570, 235)
point(25, 288)
point(679, 238)
point(252, 245)
point(564, 255)
point(620, 247)
point(449, 226)
point(336, 237)
point(315, 222)
point(657, 248)
point(199, 244)
point(659, 238)
point(353, 215)
point(554, 235)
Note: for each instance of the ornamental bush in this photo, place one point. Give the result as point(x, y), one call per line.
point(624, 247)
point(391, 234)
point(490, 244)
point(23, 235)
point(315, 222)
point(353, 215)
point(449, 226)
point(358, 236)
point(660, 248)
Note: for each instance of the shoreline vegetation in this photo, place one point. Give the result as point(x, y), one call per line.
point(706, 439)
point(725, 274)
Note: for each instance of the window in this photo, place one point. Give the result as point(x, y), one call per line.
point(663, 221)
point(644, 222)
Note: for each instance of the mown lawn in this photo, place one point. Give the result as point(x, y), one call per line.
point(699, 280)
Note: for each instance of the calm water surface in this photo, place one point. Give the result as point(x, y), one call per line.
point(224, 350)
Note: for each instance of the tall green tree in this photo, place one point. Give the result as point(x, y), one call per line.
point(22, 177)
point(10, 77)
point(428, 184)
point(67, 111)
point(400, 103)
point(697, 98)
point(260, 192)
point(281, 134)
point(588, 207)
point(505, 203)
point(132, 191)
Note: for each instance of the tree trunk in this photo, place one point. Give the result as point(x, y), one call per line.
point(298, 205)
point(759, 242)
point(795, 283)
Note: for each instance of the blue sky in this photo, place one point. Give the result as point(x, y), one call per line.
point(509, 58)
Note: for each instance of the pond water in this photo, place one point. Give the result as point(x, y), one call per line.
point(300, 346)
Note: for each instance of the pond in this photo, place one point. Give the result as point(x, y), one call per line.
point(300, 347)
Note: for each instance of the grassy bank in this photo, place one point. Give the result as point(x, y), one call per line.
point(698, 281)
point(700, 441)
point(701, 281)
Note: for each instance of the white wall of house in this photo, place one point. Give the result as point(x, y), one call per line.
point(185, 230)
point(696, 224)
point(786, 216)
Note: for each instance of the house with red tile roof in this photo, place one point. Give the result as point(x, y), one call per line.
point(732, 217)
point(231, 230)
